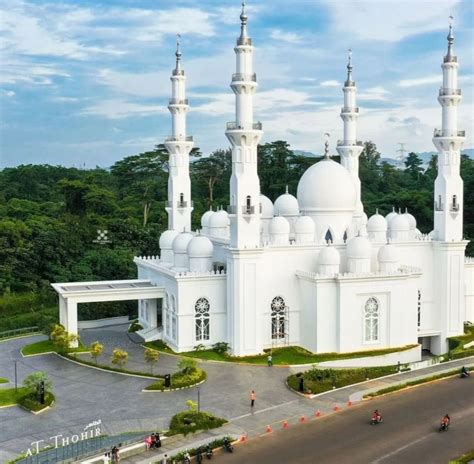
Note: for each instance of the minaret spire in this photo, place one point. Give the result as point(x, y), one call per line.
point(179, 205)
point(448, 201)
point(243, 23)
point(349, 82)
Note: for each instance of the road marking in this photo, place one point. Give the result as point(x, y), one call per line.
point(400, 449)
point(263, 410)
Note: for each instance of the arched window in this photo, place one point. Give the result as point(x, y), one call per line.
point(371, 320)
point(328, 237)
point(201, 314)
point(419, 309)
point(278, 317)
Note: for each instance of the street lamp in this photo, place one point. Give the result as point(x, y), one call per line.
point(199, 399)
point(16, 378)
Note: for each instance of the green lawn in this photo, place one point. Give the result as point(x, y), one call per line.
point(46, 346)
point(8, 396)
point(2, 380)
point(281, 356)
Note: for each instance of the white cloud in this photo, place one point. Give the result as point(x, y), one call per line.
point(438, 78)
point(290, 37)
point(8, 93)
point(389, 20)
point(14, 71)
point(65, 99)
point(330, 83)
point(374, 94)
point(118, 109)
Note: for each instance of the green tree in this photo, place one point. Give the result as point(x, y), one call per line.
point(119, 357)
point(97, 349)
point(187, 365)
point(62, 339)
point(33, 382)
point(151, 357)
point(413, 165)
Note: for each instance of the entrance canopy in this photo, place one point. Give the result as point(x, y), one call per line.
point(72, 293)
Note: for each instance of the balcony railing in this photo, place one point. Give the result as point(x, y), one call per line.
point(248, 210)
point(252, 126)
point(450, 59)
point(343, 143)
point(179, 138)
point(177, 101)
point(179, 204)
point(244, 77)
point(244, 41)
point(448, 133)
point(447, 91)
point(350, 109)
point(454, 207)
point(438, 206)
point(178, 72)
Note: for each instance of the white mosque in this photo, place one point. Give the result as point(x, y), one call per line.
point(310, 270)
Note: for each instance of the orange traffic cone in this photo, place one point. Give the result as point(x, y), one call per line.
point(285, 424)
point(243, 437)
point(318, 413)
point(269, 429)
point(336, 407)
point(302, 419)
point(349, 403)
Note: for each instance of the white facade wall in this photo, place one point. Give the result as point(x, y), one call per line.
point(469, 289)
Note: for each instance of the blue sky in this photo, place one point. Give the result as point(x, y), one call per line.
point(85, 83)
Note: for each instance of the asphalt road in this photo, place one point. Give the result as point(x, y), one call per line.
point(409, 433)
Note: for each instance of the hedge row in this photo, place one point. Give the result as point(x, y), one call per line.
point(31, 403)
point(180, 380)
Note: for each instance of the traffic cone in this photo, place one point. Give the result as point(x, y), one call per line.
point(269, 429)
point(336, 407)
point(302, 418)
point(318, 413)
point(285, 424)
point(349, 403)
point(243, 437)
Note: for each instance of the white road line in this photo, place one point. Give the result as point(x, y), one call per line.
point(377, 461)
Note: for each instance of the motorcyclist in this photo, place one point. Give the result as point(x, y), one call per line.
point(464, 371)
point(445, 421)
point(376, 416)
point(208, 451)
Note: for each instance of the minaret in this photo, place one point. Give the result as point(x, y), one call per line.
point(179, 205)
point(350, 148)
point(244, 135)
point(448, 199)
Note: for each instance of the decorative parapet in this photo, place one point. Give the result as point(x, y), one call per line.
point(469, 260)
point(400, 272)
point(147, 258)
point(200, 274)
point(423, 238)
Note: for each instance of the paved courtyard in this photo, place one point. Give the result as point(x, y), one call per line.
point(84, 394)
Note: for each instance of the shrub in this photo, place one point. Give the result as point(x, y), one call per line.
point(135, 326)
point(180, 380)
point(220, 347)
point(96, 350)
point(199, 347)
point(191, 421)
point(151, 357)
point(187, 365)
point(34, 381)
point(61, 338)
point(119, 357)
point(31, 402)
point(192, 405)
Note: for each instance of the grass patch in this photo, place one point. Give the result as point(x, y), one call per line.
point(46, 346)
point(322, 380)
point(191, 421)
point(31, 403)
point(401, 386)
point(281, 356)
point(464, 459)
point(2, 380)
point(180, 380)
point(72, 357)
point(9, 396)
point(457, 343)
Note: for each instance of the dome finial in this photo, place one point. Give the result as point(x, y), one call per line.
point(349, 82)
point(178, 51)
point(376, 211)
point(326, 146)
point(286, 189)
point(243, 22)
point(450, 38)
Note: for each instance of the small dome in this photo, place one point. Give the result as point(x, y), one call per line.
point(417, 232)
point(388, 254)
point(329, 256)
point(411, 220)
point(166, 239)
point(363, 219)
point(267, 207)
point(180, 243)
point(279, 225)
point(377, 223)
point(219, 219)
point(326, 186)
point(358, 248)
point(304, 225)
point(286, 205)
point(200, 247)
point(399, 223)
point(391, 215)
point(206, 218)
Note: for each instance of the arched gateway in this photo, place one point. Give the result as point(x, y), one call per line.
point(72, 293)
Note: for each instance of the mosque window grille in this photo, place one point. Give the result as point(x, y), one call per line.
point(419, 310)
point(279, 320)
point(371, 320)
point(174, 319)
point(202, 319)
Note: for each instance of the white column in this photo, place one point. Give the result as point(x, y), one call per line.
point(62, 311)
point(71, 324)
point(179, 206)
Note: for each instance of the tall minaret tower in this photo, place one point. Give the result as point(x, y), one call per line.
point(244, 135)
point(448, 197)
point(179, 205)
point(448, 245)
point(350, 148)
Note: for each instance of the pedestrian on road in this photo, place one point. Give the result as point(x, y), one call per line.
point(253, 397)
point(270, 360)
point(165, 460)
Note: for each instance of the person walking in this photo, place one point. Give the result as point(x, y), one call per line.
point(270, 360)
point(253, 397)
point(165, 460)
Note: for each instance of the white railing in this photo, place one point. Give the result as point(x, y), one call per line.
point(250, 126)
point(179, 138)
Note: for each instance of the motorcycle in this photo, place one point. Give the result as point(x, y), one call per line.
point(187, 458)
point(376, 420)
point(444, 426)
point(199, 456)
point(465, 374)
point(209, 452)
point(228, 446)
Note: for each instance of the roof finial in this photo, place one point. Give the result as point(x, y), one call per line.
point(243, 21)
point(376, 211)
point(178, 51)
point(450, 38)
point(326, 146)
point(349, 82)
point(286, 189)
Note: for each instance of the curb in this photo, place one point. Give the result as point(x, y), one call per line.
point(174, 389)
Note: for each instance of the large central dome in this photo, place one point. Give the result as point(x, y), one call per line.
point(326, 187)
